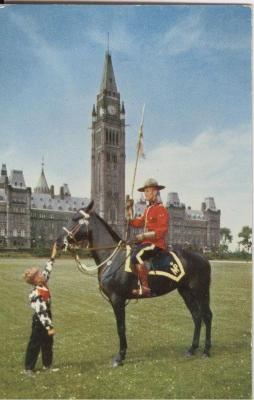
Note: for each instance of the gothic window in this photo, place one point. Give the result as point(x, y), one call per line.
point(113, 214)
point(108, 157)
point(107, 135)
point(110, 137)
point(98, 139)
point(15, 232)
point(98, 172)
point(117, 139)
point(113, 134)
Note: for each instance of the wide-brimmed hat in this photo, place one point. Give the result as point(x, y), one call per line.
point(151, 183)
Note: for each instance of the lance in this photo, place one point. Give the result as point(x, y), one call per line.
point(139, 149)
point(129, 201)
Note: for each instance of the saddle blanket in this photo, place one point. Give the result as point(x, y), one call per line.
point(164, 264)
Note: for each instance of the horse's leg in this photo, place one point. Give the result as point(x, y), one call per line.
point(207, 318)
point(118, 304)
point(195, 310)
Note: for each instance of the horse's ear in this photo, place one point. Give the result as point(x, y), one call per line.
point(89, 207)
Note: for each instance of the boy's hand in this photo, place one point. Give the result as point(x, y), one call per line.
point(51, 332)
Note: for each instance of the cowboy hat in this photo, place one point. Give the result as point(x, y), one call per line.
point(151, 183)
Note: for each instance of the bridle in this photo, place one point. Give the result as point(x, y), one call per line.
point(78, 243)
point(75, 229)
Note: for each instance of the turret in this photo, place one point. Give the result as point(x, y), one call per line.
point(42, 185)
point(94, 114)
point(122, 112)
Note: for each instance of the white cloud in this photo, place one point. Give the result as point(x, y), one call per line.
point(183, 35)
point(117, 38)
point(216, 164)
point(190, 33)
point(40, 48)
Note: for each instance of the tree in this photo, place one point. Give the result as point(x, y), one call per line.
point(246, 235)
point(225, 238)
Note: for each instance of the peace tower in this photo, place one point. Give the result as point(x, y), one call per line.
point(108, 151)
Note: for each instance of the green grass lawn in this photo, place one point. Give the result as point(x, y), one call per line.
point(159, 332)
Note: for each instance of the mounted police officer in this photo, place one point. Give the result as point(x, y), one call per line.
point(155, 221)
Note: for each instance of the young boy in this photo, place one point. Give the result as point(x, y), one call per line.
point(41, 338)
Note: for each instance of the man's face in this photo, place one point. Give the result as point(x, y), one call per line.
point(150, 193)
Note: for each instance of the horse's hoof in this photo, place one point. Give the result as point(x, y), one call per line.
point(116, 363)
point(206, 354)
point(189, 353)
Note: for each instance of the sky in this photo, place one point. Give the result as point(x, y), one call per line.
point(189, 64)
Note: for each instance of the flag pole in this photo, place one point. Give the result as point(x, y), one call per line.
point(140, 137)
point(129, 201)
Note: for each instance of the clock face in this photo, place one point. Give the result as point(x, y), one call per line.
point(111, 109)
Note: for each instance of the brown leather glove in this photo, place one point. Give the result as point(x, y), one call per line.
point(129, 208)
point(145, 235)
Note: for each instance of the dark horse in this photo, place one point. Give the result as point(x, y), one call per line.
point(109, 253)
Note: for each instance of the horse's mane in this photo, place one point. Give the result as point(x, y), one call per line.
point(109, 229)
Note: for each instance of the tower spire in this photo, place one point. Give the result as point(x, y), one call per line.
point(42, 185)
point(108, 82)
point(108, 43)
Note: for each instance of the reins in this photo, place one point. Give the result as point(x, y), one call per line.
point(84, 268)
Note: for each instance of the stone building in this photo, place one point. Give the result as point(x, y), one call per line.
point(15, 210)
point(33, 219)
point(108, 151)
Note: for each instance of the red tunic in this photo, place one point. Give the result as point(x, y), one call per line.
point(155, 218)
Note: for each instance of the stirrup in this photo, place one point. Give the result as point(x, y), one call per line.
point(142, 291)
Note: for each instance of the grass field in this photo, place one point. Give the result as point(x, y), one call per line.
point(159, 332)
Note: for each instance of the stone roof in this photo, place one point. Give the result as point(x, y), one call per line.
point(44, 201)
point(17, 180)
point(66, 190)
point(108, 79)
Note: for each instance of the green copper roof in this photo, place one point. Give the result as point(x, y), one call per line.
point(42, 186)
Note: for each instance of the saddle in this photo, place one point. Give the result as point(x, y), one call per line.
point(165, 263)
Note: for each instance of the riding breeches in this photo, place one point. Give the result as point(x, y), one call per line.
point(143, 252)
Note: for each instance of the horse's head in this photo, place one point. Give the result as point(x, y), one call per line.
point(77, 234)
